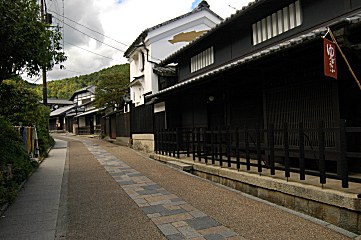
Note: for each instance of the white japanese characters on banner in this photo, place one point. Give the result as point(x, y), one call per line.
point(330, 64)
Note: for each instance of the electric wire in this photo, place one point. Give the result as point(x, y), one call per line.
point(93, 31)
point(66, 70)
point(91, 51)
point(89, 28)
point(90, 36)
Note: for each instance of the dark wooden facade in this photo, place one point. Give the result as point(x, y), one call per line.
point(116, 124)
point(233, 39)
point(285, 86)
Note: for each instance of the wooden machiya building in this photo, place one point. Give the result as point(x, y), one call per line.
point(261, 71)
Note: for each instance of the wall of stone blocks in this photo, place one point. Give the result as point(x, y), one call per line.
point(336, 215)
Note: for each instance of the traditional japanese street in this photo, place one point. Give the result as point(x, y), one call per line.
point(99, 190)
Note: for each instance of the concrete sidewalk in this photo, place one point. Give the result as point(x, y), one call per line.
point(34, 213)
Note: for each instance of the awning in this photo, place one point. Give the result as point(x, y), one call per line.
point(136, 81)
point(89, 112)
point(61, 111)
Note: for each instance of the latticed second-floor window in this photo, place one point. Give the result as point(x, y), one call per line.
point(202, 60)
point(279, 22)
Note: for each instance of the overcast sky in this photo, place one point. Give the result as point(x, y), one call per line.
point(119, 22)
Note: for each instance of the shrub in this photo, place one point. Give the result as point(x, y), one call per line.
point(15, 164)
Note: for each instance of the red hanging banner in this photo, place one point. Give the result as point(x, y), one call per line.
point(329, 58)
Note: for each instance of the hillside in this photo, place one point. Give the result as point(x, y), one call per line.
point(65, 88)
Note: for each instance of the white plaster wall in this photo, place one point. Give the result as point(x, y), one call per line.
point(159, 107)
point(159, 47)
point(81, 121)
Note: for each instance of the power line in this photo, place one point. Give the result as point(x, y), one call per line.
point(37, 79)
point(93, 31)
point(66, 70)
point(91, 36)
point(91, 51)
point(90, 28)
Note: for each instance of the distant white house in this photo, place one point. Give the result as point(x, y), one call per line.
point(85, 114)
point(156, 43)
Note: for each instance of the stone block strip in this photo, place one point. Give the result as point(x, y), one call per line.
point(174, 217)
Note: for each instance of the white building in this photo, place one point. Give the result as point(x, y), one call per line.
point(156, 43)
point(151, 47)
point(85, 113)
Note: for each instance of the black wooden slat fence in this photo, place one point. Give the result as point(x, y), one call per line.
point(263, 148)
point(142, 119)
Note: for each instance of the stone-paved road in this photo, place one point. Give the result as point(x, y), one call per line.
point(113, 192)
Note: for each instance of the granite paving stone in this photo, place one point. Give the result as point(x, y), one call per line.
point(168, 229)
point(189, 232)
point(214, 236)
point(178, 236)
point(202, 223)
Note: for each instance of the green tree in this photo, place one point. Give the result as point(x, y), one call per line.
point(112, 86)
point(27, 44)
point(18, 103)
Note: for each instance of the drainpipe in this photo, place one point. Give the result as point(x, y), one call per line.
point(147, 50)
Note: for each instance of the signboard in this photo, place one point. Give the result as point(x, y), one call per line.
point(329, 58)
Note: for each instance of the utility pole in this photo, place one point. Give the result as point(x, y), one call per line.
point(45, 87)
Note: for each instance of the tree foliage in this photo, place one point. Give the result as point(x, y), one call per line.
point(27, 43)
point(18, 103)
point(111, 87)
point(64, 88)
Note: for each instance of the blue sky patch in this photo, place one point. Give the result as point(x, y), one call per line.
point(119, 1)
point(195, 3)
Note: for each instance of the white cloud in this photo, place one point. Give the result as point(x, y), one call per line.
point(122, 20)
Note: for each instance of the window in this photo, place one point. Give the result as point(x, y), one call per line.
point(202, 60)
point(279, 22)
point(141, 61)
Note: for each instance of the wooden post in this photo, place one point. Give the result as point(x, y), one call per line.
point(237, 150)
point(259, 155)
point(212, 146)
point(342, 164)
point(220, 146)
point(205, 145)
point(287, 150)
point(199, 144)
point(188, 141)
point(228, 140)
point(301, 139)
point(321, 146)
point(178, 139)
point(194, 144)
point(246, 141)
point(271, 148)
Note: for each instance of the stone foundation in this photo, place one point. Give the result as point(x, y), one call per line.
point(143, 142)
point(338, 208)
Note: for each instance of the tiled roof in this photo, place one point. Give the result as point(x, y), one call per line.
point(250, 6)
point(61, 111)
point(274, 49)
point(95, 110)
point(90, 88)
point(164, 71)
point(143, 35)
point(58, 101)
